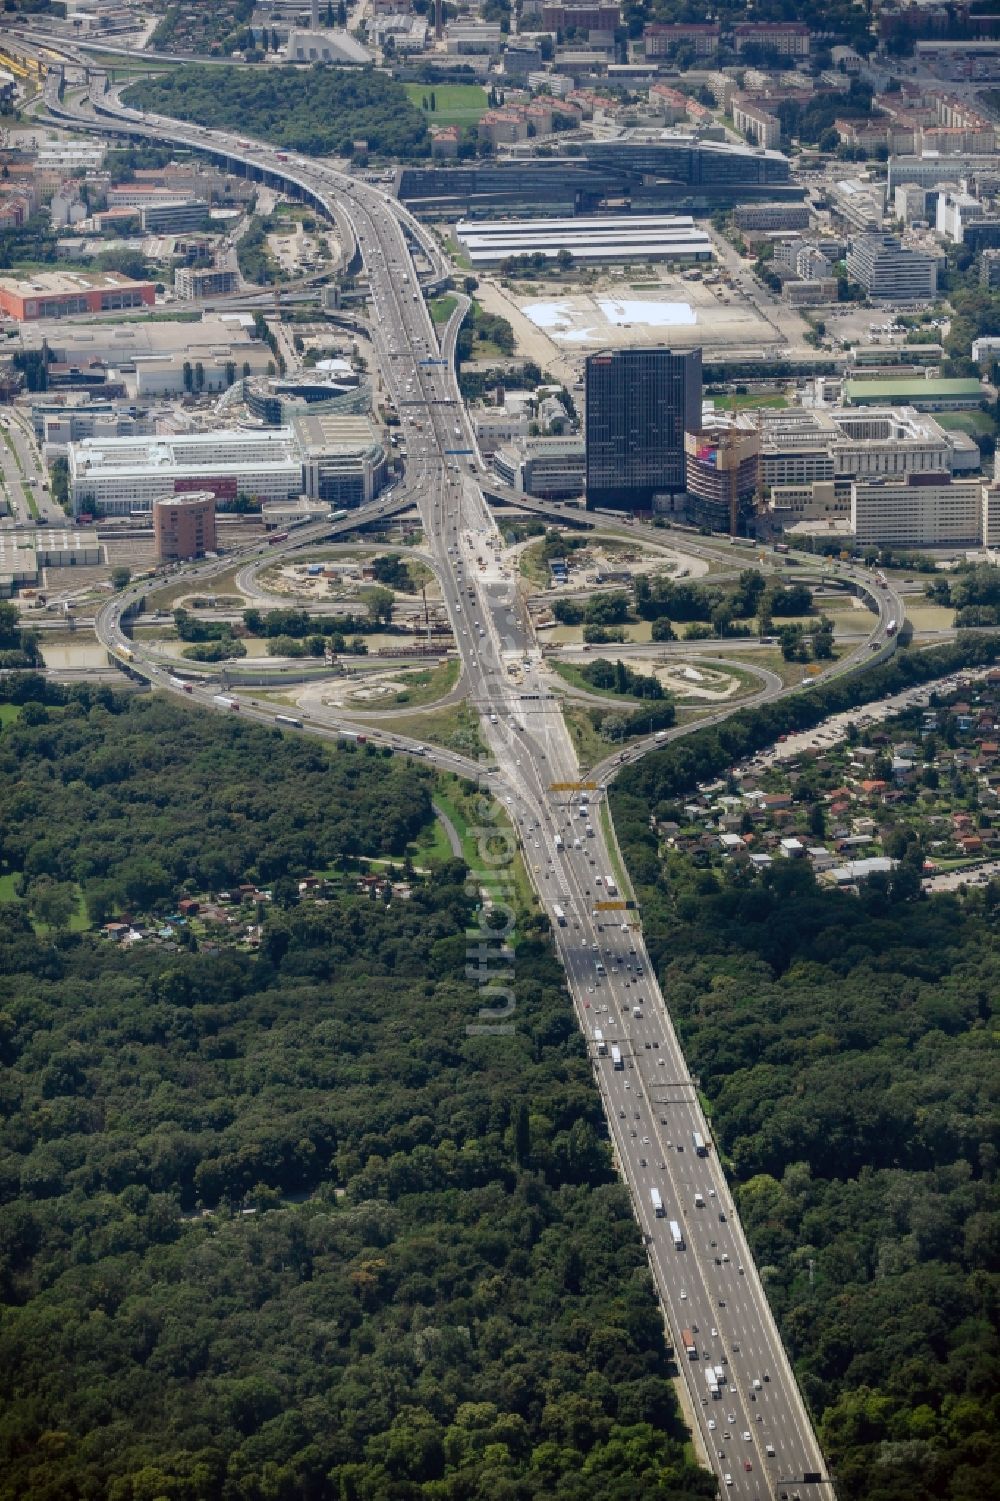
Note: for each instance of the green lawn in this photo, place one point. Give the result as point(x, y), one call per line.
point(78, 923)
point(454, 103)
point(442, 309)
point(738, 403)
point(8, 713)
point(976, 423)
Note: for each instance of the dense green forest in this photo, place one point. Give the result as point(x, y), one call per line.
point(274, 1224)
point(845, 1048)
point(320, 111)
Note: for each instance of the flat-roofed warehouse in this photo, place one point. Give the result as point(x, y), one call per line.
point(591, 240)
point(59, 294)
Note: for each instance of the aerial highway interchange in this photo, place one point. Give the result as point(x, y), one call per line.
point(755, 1433)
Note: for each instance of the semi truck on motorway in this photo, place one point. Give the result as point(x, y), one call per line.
point(690, 1348)
point(710, 1380)
point(560, 915)
point(698, 1142)
point(678, 1237)
point(599, 1043)
point(222, 702)
point(616, 1057)
point(657, 1202)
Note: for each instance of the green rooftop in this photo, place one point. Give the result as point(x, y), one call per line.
point(913, 390)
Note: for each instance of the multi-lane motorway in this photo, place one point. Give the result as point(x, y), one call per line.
point(755, 1433)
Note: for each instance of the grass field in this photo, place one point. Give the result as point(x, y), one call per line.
point(454, 728)
point(8, 713)
point(442, 309)
point(78, 923)
point(751, 399)
point(976, 423)
point(424, 686)
point(454, 103)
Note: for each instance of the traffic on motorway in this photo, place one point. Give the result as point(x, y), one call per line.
point(748, 1414)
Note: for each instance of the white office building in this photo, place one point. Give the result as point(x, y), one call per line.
point(922, 511)
point(115, 476)
point(890, 272)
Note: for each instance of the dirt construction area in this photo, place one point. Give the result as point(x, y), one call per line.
point(559, 324)
point(708, 684)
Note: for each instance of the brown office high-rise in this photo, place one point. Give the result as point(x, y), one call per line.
point(184, 526)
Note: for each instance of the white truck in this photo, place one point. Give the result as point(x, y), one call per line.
point(611, 887)
point(599, 1043)
point(617, 1061)
point(559, 914)
point(559, 841)
point(698, 1142)
point(710, 1381)
point(657, 1202)
point(678, 1238)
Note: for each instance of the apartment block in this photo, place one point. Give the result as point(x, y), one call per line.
point(752, 120)
point(788, 38)
point(664, 41)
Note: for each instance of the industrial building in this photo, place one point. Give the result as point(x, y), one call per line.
point(59, 294)
point(23, 554)
point(591, 241)
point(114, 477)
point(184, 526)
point(936, 394)
point(639, 405)
point(331, 46)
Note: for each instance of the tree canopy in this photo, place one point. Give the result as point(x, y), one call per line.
point(273, 1223)
point(320, 111)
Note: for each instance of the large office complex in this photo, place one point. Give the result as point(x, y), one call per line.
point(653, 169)
point(800, 445)
point(640, 403)
point(923, 511)
point(325, 456)
point(121, 475)
point(889, 272)
point(343, 460)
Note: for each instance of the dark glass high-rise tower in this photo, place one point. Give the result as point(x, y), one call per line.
point(640, 403)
